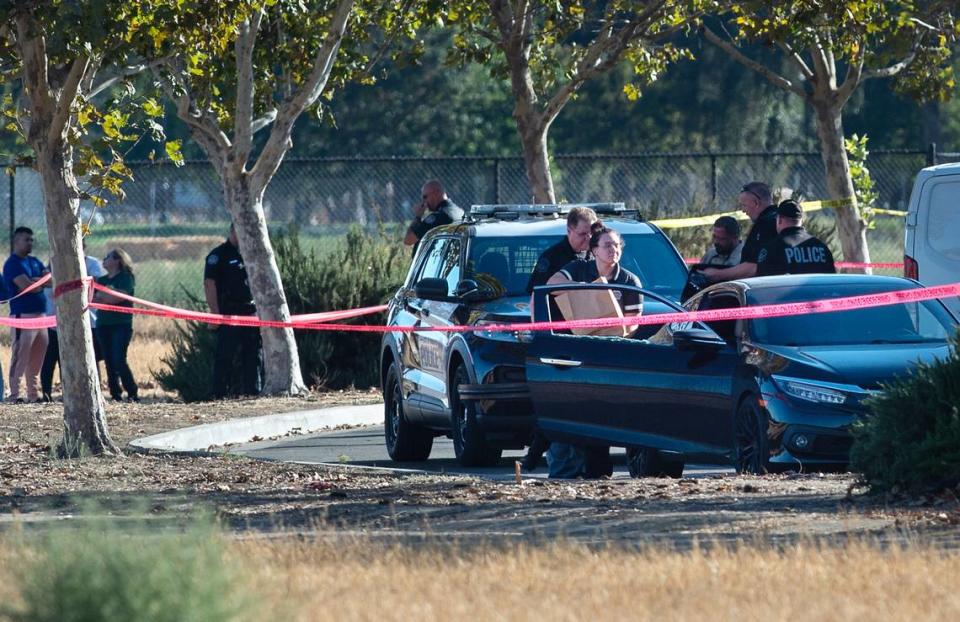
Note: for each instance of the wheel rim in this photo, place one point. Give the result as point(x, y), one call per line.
point(635, 462)
point(461, 416)
point(396, 414)
point(749, 459)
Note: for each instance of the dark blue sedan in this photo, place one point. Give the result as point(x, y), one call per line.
point(761, 395)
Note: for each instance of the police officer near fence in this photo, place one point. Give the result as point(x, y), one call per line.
point(794, 250)
point(227, 291)
point(434, 209)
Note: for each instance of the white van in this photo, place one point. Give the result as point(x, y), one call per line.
point(931, 251)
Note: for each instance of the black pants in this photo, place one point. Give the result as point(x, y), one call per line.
point(114, 341)
point(52, 358)
point(242, 341)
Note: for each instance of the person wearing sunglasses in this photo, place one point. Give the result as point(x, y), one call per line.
point(435, 209)
point(756, 201)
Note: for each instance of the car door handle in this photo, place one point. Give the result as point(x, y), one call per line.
point(425, 312)
point(560, 362)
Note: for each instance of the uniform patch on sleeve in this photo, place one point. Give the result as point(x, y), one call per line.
point(212, 260)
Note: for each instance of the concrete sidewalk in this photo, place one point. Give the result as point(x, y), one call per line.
point(210, 435)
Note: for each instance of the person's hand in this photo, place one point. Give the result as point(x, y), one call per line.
point(712, 274)
point(420, 209)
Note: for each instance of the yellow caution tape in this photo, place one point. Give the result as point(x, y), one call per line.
point(808, 206)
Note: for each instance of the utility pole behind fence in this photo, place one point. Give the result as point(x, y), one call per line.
point(932, 154)
point(13, 208)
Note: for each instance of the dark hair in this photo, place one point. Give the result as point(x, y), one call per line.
point(759, 190)
point(579, 214)
point(597, 230)
point(20, 230)
point(728, 224)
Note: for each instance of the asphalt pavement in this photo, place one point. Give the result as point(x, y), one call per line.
point(364, 447)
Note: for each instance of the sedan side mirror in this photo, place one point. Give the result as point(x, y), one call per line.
point(697, 339)
point(431, 289)
point(468, 290)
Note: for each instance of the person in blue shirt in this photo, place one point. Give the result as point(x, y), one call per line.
point(20, 271)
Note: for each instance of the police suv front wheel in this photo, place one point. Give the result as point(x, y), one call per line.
point(406, 442)
point(469, 444)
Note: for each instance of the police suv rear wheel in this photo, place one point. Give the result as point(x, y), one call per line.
point(406, 442)
point(647, 462)
point(469, 444)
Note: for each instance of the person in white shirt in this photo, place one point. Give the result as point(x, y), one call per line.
point(727, 244)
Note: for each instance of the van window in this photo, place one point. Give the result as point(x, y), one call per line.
point(943, 219)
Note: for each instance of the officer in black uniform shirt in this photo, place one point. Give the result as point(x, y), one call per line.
point(434, 209)
point(794, 250)
point(573, 246)
point(755, 200)
point(227, 292)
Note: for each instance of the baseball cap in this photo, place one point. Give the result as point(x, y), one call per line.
point(789, 209)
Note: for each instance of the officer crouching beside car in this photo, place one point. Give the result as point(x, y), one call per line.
point(227, 292)
point(794, 250)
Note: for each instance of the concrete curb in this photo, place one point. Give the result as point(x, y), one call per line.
point(202, 437)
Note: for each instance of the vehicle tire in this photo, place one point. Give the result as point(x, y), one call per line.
point(646, 462)
point(752, 448)
point(468, 442)
point(406, 442)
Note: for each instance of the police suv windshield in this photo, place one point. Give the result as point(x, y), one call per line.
point(502, 265)
point(916, 322)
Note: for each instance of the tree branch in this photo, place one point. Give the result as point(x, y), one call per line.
point(119, 74)
point(852, 79)
point(797, 60)
point(202, 128)
point(891, 70)
point(64, 104)
point(770, 75)
point(243, 113)
point(279, 141)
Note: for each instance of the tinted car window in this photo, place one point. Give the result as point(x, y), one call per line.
point(502, 266)
point(442, 262)
point(916, 322)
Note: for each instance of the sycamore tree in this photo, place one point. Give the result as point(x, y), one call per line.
point(240, 99)
point(73, 109)
point(549, 49)
point(833, 47)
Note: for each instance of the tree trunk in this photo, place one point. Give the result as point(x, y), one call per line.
point(84, 417)
point(280, 356)
point(536, 157)
point(850, 227)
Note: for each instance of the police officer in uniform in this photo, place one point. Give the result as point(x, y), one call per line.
point(227, 291)
point(572, 247)
point(434, 209)
point(794, 250)
point(756, 201)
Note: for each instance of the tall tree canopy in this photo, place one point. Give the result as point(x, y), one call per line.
point(833, 47)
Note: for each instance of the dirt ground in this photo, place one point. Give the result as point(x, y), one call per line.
point(264, 497)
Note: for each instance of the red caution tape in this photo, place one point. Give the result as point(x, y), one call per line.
point(840, 264)
point(35, 285)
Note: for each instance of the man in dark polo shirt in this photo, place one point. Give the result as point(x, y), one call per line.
point(434, 209)
point(794, 250)
point(755, 200)
point(574, 245)
point(227, 291)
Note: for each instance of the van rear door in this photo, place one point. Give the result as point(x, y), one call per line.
point(933, 231)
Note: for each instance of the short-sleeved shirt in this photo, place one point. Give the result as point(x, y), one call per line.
point(224, 266)
point(121, 282)
point(714, 258)
point(585, 271)
point(32, 267)
point(795, 251)
point(550, 262)
point(447, 212)
point(762, 232)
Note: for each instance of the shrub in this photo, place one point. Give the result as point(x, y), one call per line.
point(359, 270)
point(100, 572)
point(911, 440)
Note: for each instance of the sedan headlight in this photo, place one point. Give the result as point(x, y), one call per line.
point(811, 391)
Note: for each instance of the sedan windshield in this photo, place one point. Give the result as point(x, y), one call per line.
point(915, 322)
point(504, 265)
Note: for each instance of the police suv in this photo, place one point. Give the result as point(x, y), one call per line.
point(471, 385)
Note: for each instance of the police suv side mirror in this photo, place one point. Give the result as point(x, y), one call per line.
point(431, 289)
point(697, 339)
point(468, 290)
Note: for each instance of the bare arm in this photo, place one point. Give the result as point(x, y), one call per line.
point(743, 270)
point(210, 293)
point(558, 279)
point(411, 238)
point(23, 281)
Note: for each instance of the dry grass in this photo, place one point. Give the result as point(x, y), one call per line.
point(174, 248)
point(571, 582)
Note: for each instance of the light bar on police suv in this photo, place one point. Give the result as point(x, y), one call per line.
point(544, 208)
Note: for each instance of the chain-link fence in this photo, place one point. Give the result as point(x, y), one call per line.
point(172, 217)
